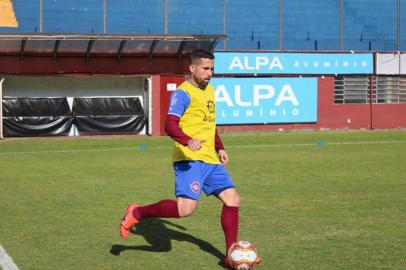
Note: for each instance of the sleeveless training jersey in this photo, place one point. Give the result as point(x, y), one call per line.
point(198, 122)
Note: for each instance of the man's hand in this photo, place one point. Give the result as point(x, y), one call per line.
point(223, 156)
point(195, 145)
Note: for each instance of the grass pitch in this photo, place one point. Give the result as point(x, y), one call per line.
point(310, 200)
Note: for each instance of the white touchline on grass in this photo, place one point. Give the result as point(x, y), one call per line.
point(325, 143)
point(315, 144)
point(6, 262)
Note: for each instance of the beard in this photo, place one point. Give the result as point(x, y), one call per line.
point(201, 82)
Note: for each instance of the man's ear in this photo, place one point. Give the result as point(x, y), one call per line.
point(192, 68)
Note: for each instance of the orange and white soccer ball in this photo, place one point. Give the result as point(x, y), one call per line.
point(242, 255)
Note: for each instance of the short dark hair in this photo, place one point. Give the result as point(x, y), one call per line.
point(198, 54)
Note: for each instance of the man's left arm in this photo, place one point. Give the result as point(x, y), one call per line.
point(220, 148)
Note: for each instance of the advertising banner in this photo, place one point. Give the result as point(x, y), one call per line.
point(387, 63)
point(265, 100)
point(293, 63)
point(391, 63)
point(402, 64)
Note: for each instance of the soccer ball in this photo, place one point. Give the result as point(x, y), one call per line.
point(242, 255)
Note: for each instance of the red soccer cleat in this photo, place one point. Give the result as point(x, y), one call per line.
point(128, 221)
point(227, 262)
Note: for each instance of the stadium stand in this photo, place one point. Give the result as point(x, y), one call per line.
point(249, 25)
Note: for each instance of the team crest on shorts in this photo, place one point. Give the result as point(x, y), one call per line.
point(195, 187)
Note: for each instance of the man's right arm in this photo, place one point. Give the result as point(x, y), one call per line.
point(173, 130)
point(178, 104)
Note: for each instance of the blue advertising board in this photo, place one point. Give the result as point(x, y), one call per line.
point(265, 100)
point(293, 63)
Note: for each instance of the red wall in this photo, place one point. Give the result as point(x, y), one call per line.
point(389, 116)
point(339, 116)
point(330, 115)
point(97, 64)
point(160, 101)
point(155, 105)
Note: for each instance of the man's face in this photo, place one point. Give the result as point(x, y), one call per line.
point(202, 71)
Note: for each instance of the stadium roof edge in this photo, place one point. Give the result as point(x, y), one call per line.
point(73, 36)
point(111, 44)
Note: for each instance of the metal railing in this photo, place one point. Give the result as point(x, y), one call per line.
point(357, 89)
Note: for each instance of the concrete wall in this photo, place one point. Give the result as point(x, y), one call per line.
point(39, 86)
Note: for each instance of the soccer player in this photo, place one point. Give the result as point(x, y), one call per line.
point(199, 155)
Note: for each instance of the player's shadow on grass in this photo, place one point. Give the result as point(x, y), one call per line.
point(156, 232)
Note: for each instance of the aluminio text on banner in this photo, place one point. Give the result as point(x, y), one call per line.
point(265, 100)
point(293, 63)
